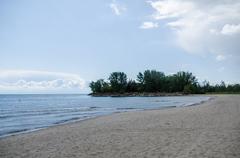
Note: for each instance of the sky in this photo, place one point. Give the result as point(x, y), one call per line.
point(59, 46)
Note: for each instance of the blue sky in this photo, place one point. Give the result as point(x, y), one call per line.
point(58, 46)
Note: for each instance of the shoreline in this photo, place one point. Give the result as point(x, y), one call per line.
point(95, 117)
point(138, 94)
point(210, 129)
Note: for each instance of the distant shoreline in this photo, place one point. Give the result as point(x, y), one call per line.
point(136, 94)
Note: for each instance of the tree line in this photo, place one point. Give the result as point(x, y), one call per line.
point(154, 81)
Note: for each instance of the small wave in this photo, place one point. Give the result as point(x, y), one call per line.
point(126, 108)
point(162, 101)
point(48, 112)
point(93, 107)
point(173, 106)
point(68, 120)
point(197, 103)
point(3, 117)
point(11, 132)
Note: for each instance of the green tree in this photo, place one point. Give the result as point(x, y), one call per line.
point(206, 86)
point(118, 81)
point(140, 78)
point(153, 80)
point(169, 84)
point(190, 89)
point(140, 84)
point(97, 87)
point(132, 86)
point(181, 79)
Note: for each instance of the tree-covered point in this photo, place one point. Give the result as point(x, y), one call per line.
point(157, 82)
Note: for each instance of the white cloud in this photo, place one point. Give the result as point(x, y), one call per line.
point(28, 80)
point(202, 26)
point(148, 25)
point(220, 58)
point(170, 9)
point(230, 29)
point(117, 8)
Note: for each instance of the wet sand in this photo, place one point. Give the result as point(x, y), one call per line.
point(211, 129)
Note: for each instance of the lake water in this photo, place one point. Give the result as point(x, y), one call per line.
point(23, 113)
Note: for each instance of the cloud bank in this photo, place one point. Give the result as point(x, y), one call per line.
point(202, 26)
point(36, 81)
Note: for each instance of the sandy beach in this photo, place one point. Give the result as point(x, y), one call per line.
point(211, 129)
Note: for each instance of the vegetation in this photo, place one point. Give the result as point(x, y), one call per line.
point(152, 81)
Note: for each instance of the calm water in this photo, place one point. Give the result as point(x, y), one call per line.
point(22, 113)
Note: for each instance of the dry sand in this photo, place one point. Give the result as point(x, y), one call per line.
point(208, 130)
